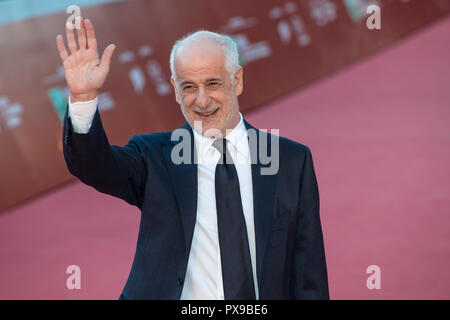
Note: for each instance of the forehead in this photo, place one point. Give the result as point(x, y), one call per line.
point(199, 60)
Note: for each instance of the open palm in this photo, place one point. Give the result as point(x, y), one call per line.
point(85, 72)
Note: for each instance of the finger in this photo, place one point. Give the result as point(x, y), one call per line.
point(107, 55)
point(91, 40)
point(71, 38)
point(61, 47)
point(81, 32)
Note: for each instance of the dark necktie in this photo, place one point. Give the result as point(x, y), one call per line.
point(233, 240)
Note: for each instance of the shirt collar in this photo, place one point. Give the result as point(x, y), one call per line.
point(237, 137)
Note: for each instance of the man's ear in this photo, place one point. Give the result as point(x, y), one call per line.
point(239, 80)
point(175, 90)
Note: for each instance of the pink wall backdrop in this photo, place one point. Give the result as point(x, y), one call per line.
point(380, 136)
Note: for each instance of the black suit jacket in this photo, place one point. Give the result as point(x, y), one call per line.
point(290, 256)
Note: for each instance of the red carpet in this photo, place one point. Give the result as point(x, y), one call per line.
point(380, 136)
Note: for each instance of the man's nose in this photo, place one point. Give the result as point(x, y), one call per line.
point(202, 100)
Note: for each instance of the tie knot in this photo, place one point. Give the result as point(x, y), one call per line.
point(221, 146)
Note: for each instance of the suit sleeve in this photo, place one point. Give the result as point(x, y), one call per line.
point(310, 271)
point(114, 170)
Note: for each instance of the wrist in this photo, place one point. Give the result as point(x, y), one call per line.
point(83, 97)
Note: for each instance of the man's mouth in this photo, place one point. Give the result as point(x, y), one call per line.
point(207, 114)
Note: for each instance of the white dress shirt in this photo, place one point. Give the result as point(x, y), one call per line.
point(82, 114)
point(204, 272)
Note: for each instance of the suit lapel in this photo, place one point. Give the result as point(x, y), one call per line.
point(263, 199)
point(184, 181)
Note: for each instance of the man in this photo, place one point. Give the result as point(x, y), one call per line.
point(216, 228)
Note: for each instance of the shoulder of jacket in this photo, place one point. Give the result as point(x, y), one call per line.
point(150, 141)
point(293, 146)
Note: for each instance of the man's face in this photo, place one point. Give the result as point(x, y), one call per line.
point(204, 88)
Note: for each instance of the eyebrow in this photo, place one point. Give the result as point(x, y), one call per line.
point(185, 82)
point(191, 82)
point(213, 79)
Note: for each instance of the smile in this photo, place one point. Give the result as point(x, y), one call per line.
point(207, 114)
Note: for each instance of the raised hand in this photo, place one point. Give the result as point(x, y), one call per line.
point(85, 72)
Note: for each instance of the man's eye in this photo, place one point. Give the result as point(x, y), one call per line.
point(213, 84)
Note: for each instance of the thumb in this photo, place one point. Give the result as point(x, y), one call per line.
point(107, 55)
